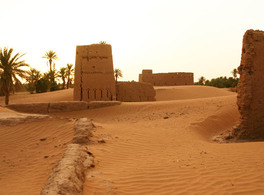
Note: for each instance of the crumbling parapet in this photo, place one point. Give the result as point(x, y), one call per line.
point(250, 98)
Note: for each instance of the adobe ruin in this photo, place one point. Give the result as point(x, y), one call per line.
point(250, 99)
point(135, 92)
point(94, 75)
point(94, 78)
point(166, 79)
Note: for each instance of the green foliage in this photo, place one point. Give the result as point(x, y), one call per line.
point(10, 71)
point(54, 86)
point(30, 87)
point(102, 42)
point(62, 75)
point(32, 77)
point(201, 81)
point(42, 85)
point(69, 73)
point(234, 72)
point(223, 82)
point(51, 56)
point(220, 82)
point(117, 73)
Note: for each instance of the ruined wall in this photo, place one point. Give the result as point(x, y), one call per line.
point(64, 106)
point(94, 75)
point(250, 99)
point(166, 79)
point(68, 175)
point(135, 92)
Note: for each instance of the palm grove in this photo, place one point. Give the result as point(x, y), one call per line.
point(221, 82)
point(12, 72)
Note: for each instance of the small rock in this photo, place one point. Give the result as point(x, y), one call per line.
point(46, 156)
point(101, 141)
point(165, 117)
point(43, 139)
point(91, 154)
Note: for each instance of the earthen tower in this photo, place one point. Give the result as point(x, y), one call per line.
point(94, 75)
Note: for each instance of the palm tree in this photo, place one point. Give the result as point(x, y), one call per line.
point(62, 74)
point(32, 78)
point(102, 42)
point(117, 73)
point(69, 72)
point(51, 56)
point(234, 72)
point(201, 80)
point(10, 71)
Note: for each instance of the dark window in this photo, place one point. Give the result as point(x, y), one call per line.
point(95, 94)
point(88, 94)
point(101, 93)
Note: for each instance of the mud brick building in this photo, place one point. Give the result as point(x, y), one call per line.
point(166, 79)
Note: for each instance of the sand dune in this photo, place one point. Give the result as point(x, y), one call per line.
point(28, 153)
point(25, 97)
point(161, 147)
point(189, 92)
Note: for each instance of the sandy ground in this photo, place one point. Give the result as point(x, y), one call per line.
point(25, 97)
point(161, 147)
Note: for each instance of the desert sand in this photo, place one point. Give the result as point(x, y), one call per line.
point(162, 147)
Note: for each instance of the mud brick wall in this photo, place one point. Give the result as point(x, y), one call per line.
point(94, 74)
point(166, 79)
point(135, 92)
point(250, 99)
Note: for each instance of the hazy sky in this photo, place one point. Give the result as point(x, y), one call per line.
point(199, 36)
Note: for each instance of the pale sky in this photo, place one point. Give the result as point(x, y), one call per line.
point(199, 36)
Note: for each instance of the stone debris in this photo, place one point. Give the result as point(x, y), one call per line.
point(82, 131)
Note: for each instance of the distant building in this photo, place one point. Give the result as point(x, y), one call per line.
point(94, 75)
point(166, 79)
